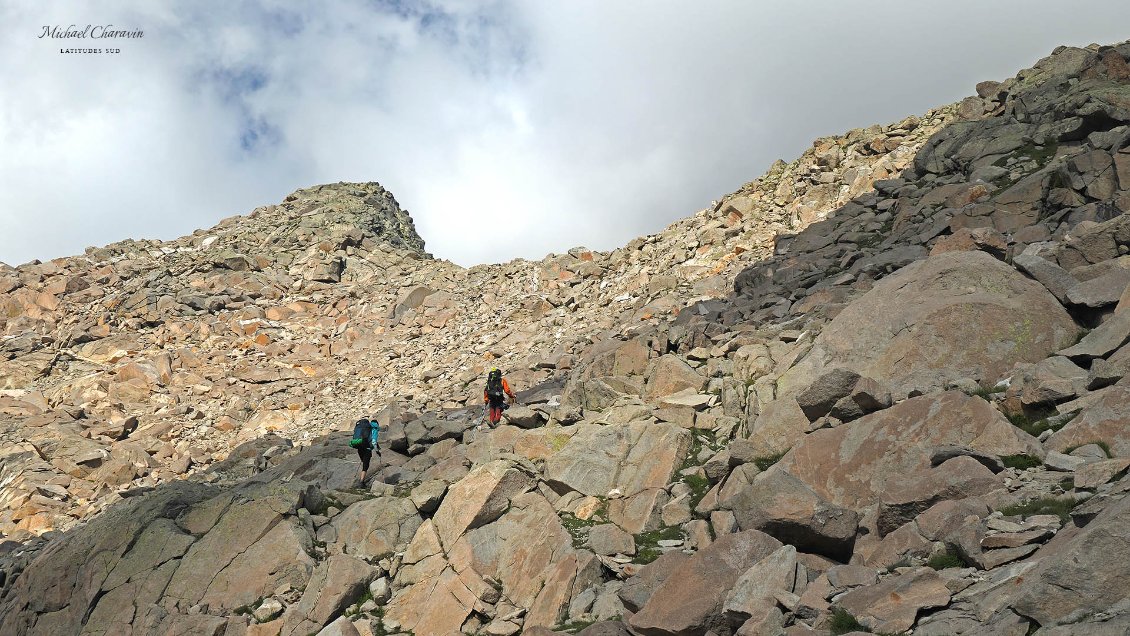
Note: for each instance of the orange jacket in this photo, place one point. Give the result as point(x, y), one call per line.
point(505, 389)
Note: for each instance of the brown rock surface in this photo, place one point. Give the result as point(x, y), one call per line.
point(857, 465)
point(1104, 420)
point(630, 458)
point(1071, 578)
point(692, 597)
point(893, 605)
point(912, 328)
point(779, 504)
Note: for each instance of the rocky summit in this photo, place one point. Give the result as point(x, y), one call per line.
point(882, 388)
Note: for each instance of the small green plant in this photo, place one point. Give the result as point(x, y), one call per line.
point(578, 528)
point(1059, 180)
point(1034, 425)
point(699, 487)
point(557, 441)
point(647, 543)
point(870, 240)
point(1067, 484)
point(1021, 462)
point(763, 463)
point(699, 440)
point(945, 560)
point(1042, 506)
point(404, 489)
point(378, 625)
point(843, 622)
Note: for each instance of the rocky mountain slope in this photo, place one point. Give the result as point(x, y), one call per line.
point(880, 388)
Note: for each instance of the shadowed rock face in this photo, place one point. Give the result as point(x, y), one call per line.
point(901, 378)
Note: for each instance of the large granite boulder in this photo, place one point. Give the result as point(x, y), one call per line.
point(378, 527)
point(892, 606)
point(1103, 419)
point(953, 315)
point(1080, 573)
point(632, 458)
point(691, 599)
point(779, 504)
point(479, 498)
point(182, 546)
point(526, 551)
point(858, 464)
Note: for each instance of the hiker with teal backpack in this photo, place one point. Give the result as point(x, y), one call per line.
point(365, 434)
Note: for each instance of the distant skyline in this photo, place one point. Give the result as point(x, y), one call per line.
point(507, 129)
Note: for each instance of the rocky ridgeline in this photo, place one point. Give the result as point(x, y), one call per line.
point(143, 361)
point(880, 388)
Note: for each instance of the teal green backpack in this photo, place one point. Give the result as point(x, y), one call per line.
point(362, 430)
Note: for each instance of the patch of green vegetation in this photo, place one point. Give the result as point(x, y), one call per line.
point(843, 622)
point(699, 440)
point(378, 625)
point(763, 463)
point(647, 543)
point(699, 487)
point(355, 608)
point(405, 489)
point(1101, 444)
point(364, 494)
point(578, 528)
point(572, 627)
point(1034, 425)
point(1042, 506)
point(556, 441)
point(1067, 484)
point(945, 560)
point(1040, 154)
point(1021, 462)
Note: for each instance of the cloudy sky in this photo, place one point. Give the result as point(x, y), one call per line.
point(506, 128)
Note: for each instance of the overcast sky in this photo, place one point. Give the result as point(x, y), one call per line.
point(505, 128)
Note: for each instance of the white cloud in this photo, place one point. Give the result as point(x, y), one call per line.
point(506, 128)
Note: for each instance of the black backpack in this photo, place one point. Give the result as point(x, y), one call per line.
point(494, 385)
point(362, 430)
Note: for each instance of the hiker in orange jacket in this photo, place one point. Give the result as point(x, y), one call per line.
point(497, 387)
